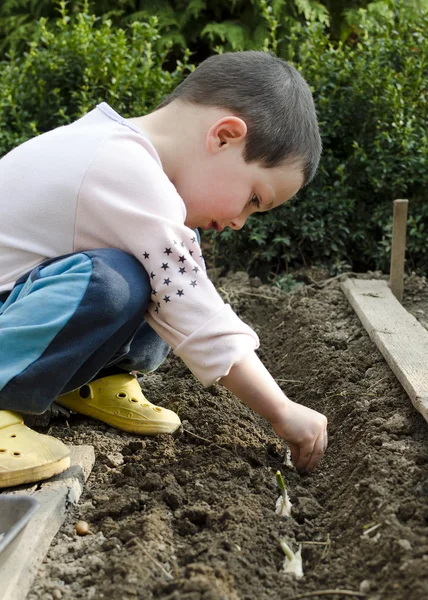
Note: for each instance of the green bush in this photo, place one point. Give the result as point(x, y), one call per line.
point(80, 62)
point(197, 24)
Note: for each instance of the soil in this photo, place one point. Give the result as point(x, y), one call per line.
point(192, 516)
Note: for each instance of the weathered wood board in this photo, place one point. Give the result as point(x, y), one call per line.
point(20, 561)
point(398, 335)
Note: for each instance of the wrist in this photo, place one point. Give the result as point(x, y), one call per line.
point(280, 411)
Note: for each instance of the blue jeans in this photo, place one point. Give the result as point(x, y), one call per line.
point(70, 318)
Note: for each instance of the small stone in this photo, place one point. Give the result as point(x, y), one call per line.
point(404, 544)
point(57, 594)
point(115, 459)
point(365, 586)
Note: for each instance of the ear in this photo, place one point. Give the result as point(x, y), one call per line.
point(226, 132)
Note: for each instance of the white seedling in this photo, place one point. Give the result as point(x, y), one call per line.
point(283, 504)
point(293, 560)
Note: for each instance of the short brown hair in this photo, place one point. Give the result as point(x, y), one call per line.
point(270, 96)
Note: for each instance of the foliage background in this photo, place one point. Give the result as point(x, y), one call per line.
point(367, 65)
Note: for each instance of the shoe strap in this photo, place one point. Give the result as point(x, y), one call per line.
point(8, 417)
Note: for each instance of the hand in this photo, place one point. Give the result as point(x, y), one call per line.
point(305, 432)
point(304, 429)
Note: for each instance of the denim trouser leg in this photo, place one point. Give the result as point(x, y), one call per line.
point(144, 352)
point(67, 319)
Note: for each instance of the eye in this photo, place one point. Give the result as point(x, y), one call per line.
point(255, 200)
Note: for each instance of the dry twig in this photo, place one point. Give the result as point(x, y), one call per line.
point(321, 284)
point(156, 562)
point(237, 293)
point(199, 437)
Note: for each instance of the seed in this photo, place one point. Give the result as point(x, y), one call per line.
point(82, 528)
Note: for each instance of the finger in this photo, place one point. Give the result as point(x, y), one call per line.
point(304, 456)
point(310, 454)
point(325, 441)
point(317, 453)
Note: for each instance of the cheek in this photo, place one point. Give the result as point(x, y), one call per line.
point(228, 210)
point(231, 198)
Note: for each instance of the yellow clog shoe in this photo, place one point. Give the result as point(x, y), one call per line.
point(27, 456)
point(118, 401)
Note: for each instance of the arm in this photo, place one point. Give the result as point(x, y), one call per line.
point(304, 429)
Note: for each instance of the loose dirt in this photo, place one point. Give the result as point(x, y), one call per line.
point(192, 517)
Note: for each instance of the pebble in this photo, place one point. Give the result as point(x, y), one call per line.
point(115, 459)
point(365, 586)
point(404, 544)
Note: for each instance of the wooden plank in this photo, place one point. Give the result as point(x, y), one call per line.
point(398, 335)
point(398, 249)
point(21, 560)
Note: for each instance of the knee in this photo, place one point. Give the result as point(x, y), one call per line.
point(120, 281)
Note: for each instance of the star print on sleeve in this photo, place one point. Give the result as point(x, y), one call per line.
point(181, 268)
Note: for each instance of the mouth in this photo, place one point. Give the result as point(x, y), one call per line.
point(214, 225)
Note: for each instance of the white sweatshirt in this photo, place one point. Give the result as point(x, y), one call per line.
point(99, 183)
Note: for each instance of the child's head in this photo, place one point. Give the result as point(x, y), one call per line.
point(248, 140)
point(270, 96)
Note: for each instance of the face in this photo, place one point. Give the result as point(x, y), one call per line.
point(222, 190)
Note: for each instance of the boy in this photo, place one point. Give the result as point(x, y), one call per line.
point(101, 269)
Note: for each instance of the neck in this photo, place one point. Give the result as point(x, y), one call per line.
point(178, 133)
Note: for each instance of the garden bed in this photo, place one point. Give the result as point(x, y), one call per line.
point(192, 516)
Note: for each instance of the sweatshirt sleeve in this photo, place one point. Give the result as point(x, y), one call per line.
point(126, 201)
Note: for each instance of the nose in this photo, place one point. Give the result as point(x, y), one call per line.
point(238, 222)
